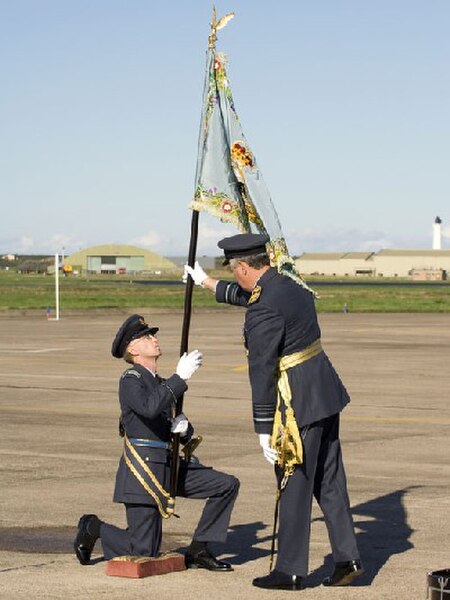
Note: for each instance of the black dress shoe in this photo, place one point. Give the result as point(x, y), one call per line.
point(344, 573)
point(205, 560)
point(277, 580)
point(88, 534)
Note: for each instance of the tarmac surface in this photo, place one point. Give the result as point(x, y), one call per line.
point(59, 449)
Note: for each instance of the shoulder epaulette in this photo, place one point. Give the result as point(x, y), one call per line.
point(132, 372)
point(256, 293)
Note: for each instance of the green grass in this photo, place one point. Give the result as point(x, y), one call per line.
point(395, 299)
point(36, 292)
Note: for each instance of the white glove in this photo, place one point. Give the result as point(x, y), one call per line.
point(180, 424)
point(188, 364)
point(269, 453)
point(197, 273)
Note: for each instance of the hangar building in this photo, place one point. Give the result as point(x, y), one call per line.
point(119, 259)
point(417, 264)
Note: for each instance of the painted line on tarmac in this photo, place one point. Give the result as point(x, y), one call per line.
point(379, 419)
point(51, 411)
point(434, 420)
point(53, 376)
point(70, 456)
point(39, 351)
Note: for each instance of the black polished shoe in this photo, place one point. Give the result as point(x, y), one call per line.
point(344, 573)
point(88, 534)
point(277, 580)
point(205, 560)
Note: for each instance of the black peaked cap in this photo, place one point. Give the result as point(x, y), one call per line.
point(134, 327)
point(243, 244)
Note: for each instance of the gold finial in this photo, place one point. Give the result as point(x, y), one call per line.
point(216, 25)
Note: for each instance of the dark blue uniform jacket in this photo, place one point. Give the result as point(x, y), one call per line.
point(146, 403)
point(283, 321)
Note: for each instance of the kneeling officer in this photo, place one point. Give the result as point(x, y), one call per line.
point(147, 404)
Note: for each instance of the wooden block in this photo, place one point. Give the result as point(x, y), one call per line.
point(143, 566)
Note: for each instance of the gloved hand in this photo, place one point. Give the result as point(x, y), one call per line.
point(180, 424)
point(197, 273)
point(188, 364)
point(269, 453)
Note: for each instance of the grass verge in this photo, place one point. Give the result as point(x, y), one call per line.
point(37, 292)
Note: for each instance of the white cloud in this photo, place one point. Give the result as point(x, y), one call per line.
point(63, 244)
point(335, 240)
point(26, 245)
point(57, 243)
point(152, 239)
point(210, 234)
point(351, 240)
point(210, 231)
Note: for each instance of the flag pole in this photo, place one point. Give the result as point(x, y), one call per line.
point(214, 25)
point(183, 348)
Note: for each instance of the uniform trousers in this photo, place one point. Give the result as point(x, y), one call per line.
point(144, 532)
point(321, 475)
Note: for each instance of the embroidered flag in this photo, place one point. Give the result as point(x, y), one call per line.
point(228, 182)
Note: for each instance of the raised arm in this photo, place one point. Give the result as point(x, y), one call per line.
point(225, 291)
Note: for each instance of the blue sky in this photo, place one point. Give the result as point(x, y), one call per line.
point(345, 104)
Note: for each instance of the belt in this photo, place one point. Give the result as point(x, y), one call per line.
point(285, 434)
point(149, 443)
point(292, 360)
point(145, 476)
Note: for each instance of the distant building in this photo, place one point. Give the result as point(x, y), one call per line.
point(400, 263)
point(424, 264)
point(207, 262)
point(336, 263)
point(417, 264)
point(33, 263)
point(119, 259)
point(428, 274)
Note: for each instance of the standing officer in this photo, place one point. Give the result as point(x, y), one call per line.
point(147, 404)
point(297, 397)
